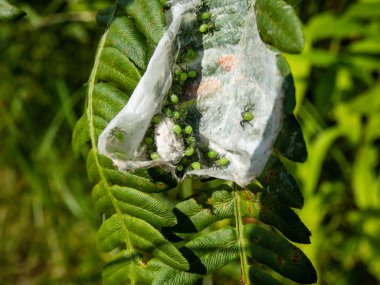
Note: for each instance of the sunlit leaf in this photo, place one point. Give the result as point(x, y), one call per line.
point(9, 12)
point(279, 25)
point(114, 232)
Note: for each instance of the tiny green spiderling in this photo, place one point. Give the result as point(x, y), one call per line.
point(178, 72)
point(189, 151)
point(192, 74)
point(212, 154)
point(206, 16)
point(222, 161)
point(196, 165)
point(148, 140)
point(203, 28)
point(176, 115)
point(190, 54)
point(247, 116)
point(117, 134)
point(156, 119)
point(188, 130)
point(154, 156)
point(174, 99)
point(177, 129)
point(190, 140)
point(168, 112)
point(184, 160)
point(179, 167)
point(183, 76)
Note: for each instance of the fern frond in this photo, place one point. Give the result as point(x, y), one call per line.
point(290, 142)
point(119, 269)
point(144, 181)
point(139, 228)
point(206, 254)
point(276, 252)
point(135, 203)
point(211, 251)
point(109, 101)
point(125, 37)
point(130, 213)
point(142, 236)
point(261, 277)
point(281, 184)
point(211, 205)
point(149, 17)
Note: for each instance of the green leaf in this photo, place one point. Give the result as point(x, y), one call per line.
point(287, 85)
point(81, 134)
point(125, 37)
point(9, 12)
point(211, 205)
point(128, 179)
point(258, 276)
point(364, 10)
point(281, 184)
point(134, 203)
point(327, 25)
point(116, 67)
point(109, 101)
point(122, 52)
point(122, 266)
point(211, 251)
point(143, 236)
point(105, 16)
point(262, 205)
point(149, 16)
point(280, 255)
point(279, 25)
point(201, 210)
point(206, 254)
point(290, 142)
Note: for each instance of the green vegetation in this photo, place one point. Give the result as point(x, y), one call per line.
point(48, 222)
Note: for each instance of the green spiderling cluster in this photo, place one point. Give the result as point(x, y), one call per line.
point(148, 141)
point(173, 108)
point(206, 20)
point(217, 159)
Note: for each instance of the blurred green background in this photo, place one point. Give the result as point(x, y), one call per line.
point(47, 220)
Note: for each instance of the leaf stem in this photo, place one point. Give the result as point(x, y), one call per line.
point(240, 236)
point(90, 114)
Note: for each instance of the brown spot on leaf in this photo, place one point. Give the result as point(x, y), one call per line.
point(196, 196)
point(269, 175)
point(161, 186)
point(295, 257)
point(249, 208)
point(280, 260)
point(256, 239)
point(249, 221)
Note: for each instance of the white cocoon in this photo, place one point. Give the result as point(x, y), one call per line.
point(238, 73)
